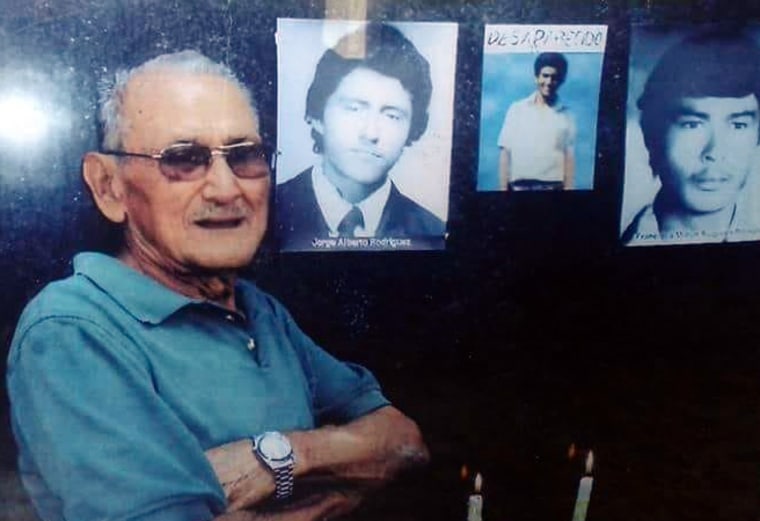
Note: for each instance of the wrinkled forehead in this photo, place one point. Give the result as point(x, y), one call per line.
point(162, 107)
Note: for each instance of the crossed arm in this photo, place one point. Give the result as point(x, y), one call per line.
point(73, 384)
point(335, 466)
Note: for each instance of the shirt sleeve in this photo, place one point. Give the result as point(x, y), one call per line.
point(91, 426)
point(340, 391)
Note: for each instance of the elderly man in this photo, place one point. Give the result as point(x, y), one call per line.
point(156, 385)
point(700, 120)
point(537, 138)
point(364, 109)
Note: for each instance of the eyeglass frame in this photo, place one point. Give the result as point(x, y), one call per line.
point(221, 150)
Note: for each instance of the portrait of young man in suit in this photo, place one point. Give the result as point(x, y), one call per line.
point(368, 101)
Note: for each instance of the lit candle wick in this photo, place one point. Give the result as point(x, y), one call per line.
point(584, 490)
point(475, 503)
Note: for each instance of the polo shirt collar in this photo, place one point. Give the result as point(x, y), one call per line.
point(142, 297)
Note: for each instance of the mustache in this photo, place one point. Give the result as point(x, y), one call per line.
point(213, 211)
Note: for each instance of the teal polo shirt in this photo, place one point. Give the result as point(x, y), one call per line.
point(118, 385)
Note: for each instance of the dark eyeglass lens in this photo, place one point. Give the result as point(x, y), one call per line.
point(249, 161)
point(185, 162)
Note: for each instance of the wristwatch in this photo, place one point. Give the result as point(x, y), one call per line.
point(275, 452)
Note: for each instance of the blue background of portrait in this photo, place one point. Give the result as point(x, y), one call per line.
point(509, 77)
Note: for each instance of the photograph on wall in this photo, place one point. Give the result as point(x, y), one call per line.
point(539, 106)
point(365, 119)
point(691, 165)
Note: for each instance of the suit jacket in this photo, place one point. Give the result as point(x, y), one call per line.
point(300, 220)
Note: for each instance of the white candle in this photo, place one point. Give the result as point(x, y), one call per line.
point(584, 491)
point(475, 503)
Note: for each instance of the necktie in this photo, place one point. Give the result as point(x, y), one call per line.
point(347, 226)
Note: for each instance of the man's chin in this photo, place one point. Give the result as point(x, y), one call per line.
point(218, 260)
point(364, 175)
point(709, 203)
point(223, 249)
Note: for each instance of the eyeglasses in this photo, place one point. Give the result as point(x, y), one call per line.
point(190, 161)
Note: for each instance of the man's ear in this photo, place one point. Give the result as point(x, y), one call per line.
point(100, 174)
point(316, 125)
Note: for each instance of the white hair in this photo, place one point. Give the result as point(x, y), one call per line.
point(188, 61)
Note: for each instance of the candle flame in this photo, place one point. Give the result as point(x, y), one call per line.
point(571, 451)
point(478, 483)
point(464, 473)
point(590, 462)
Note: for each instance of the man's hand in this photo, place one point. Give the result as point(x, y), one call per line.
point(244, 478)
point(568, 169)
point(504, 160)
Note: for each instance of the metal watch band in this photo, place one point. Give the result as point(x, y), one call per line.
point(283, 481)
point(282, 469)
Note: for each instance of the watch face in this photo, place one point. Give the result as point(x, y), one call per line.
point(274, 446)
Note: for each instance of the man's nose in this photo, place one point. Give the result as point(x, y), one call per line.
point(370, 129)
point(222, 185)
point(716, 145)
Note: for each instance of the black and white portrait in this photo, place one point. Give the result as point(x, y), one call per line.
point(692, 134)
point(365, 115)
